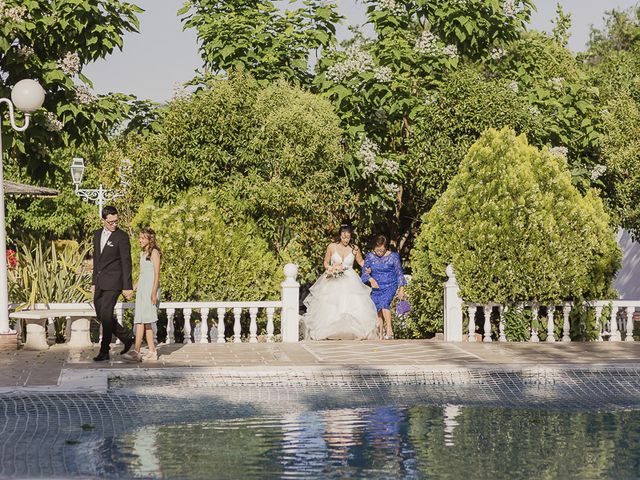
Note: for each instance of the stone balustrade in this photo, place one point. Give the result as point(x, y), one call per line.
point(203, 322)
point(613, 318)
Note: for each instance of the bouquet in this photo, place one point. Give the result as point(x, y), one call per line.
point(335, 271)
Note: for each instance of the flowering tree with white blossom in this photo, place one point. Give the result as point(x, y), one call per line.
point(51, 42)
point(380, 87)
point(255, 36)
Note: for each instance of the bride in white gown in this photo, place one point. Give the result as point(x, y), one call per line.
point(340, 308)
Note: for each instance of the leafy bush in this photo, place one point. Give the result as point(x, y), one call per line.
point(206, 256)
point(515, 229)
point(272, 153)
point(46, 272)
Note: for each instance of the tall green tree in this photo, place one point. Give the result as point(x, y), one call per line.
point(256, 36)
point(381, 85)
point(612, 62)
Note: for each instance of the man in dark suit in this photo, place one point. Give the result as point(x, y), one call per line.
point(111, 277)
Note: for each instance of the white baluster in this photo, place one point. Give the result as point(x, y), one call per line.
point(472, 322)
point(502, 337)
point(629, 328)
point(270, 311)
point(170, 330)
point(204, 325)
point(253, 325)
point(550, 324)
point(534, 318)
point(487, 323)
point(120, 317)
point(187, 325)
point(221, 312)
point(598, 326)
point(154, 329)
point(566, 326)
point(615, 333)
point(237, 311)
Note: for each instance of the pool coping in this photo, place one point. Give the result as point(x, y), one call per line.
point(97, 380)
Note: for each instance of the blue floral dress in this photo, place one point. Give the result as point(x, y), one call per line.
point(387, 271)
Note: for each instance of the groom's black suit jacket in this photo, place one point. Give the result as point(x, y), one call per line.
point(112, 267)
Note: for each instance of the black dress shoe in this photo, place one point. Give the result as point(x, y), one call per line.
point(127, 346)
point(102, 356)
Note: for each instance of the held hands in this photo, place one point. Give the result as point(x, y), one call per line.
point(127, 294)
point(372, 281)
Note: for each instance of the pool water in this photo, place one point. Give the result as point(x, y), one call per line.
point(444, 442)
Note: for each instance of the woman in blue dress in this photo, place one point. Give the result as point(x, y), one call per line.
point(382, 269)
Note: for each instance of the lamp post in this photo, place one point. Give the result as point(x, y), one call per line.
point(99, 195)
point(27, 96)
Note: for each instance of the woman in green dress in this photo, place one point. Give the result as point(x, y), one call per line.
point(147, 297)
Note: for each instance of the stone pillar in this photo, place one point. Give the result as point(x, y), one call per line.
point(452, 308)
point(79, 329)
point(290, 316)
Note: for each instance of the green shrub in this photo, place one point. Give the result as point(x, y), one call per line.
point(206, 256)
point(515, 229)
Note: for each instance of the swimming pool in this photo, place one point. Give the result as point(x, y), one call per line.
point(518, 423)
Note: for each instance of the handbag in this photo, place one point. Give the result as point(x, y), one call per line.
point(402, 308)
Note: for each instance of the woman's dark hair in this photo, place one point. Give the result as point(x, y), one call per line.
point(380, 241)
point(153, 244)
point(345, 227)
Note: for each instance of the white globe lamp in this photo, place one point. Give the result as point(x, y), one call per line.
point(27, 95)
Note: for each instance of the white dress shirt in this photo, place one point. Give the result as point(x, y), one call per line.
point(104, 238)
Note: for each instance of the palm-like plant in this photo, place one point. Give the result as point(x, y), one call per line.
point(49, 272)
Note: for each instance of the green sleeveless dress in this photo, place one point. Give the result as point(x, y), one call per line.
point(145, 311)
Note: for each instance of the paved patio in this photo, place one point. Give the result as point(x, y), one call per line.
point(36, 370)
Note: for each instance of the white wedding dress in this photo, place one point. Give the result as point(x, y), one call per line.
point(340, 308)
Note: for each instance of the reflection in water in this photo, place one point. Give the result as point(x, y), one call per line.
point(303, 446)
point(391, 442)
point(450, 414)
point(340, 433)
point(144, 448)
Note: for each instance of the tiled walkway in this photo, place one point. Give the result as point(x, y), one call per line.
point(34, 369)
